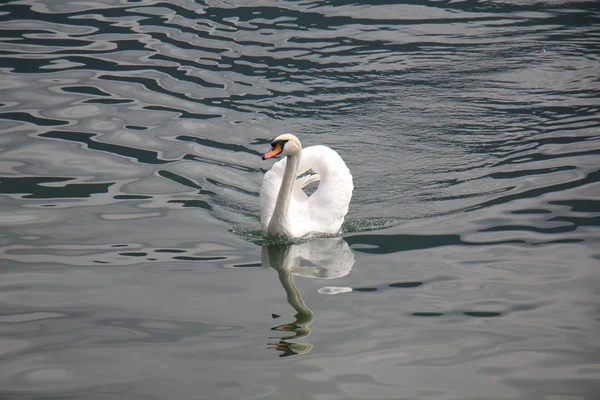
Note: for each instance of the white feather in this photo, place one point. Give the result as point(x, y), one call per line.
point(323, 211)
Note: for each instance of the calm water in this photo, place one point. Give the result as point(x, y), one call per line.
point(131, 256)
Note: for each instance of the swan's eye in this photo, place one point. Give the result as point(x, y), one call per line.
point(279, 142)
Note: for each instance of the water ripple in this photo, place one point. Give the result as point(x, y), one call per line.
point(130, 172)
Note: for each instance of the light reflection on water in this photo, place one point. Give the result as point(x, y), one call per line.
point(129, 179)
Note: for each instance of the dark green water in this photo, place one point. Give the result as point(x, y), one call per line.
point(130, 257)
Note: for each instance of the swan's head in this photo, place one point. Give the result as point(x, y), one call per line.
point(285, 145)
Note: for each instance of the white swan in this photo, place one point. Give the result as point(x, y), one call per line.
point(285, 210)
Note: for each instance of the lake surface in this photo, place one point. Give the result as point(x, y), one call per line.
point(132, 264)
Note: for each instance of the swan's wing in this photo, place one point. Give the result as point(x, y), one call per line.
point(307, 179)
point(325, 209)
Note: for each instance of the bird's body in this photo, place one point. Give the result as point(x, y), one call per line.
point(285, 209)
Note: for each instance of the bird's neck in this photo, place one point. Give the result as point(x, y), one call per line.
point(279, 223)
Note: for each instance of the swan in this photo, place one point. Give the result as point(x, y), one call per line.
point(285, 210)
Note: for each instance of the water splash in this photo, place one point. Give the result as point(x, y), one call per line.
point(257, 236)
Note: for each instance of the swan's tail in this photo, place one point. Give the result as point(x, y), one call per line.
point(307, 179)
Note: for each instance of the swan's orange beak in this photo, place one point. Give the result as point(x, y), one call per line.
point(276, 149)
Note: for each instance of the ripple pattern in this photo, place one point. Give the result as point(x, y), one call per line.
point(130, 140)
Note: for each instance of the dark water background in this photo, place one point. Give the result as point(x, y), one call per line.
point(131, 135)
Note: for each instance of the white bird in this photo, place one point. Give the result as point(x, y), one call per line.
point(285, 210)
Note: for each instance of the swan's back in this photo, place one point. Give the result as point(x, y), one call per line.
point(325, 209)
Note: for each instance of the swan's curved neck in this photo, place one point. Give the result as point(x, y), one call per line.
point(279, 224)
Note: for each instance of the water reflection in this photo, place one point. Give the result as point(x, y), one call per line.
point(320, 258)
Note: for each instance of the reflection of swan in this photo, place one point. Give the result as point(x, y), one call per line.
point(324, 258)
point(330, 258)
point(285, 210)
